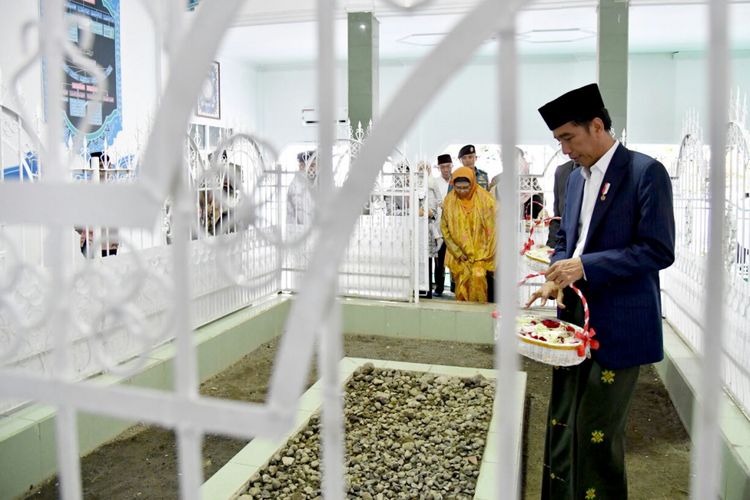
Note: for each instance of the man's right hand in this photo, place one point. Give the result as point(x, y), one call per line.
point(548, 291)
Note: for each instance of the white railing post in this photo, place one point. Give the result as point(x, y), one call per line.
point(506, 264)
point(707, 452)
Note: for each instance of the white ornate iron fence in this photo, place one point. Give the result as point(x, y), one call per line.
point(685, 281)
point(386, 257)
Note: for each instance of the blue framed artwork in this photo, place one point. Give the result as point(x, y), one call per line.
point(105, 118)
point(209, 102)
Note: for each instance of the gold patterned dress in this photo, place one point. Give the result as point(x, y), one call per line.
point(468, 227)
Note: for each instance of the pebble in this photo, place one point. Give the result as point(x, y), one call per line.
point(408, 435)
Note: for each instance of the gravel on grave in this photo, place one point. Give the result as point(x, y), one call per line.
point(408, 435)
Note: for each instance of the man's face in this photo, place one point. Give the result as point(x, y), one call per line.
point(445, 170)
point(312, 170)
point(579, 142)
point(469, 160)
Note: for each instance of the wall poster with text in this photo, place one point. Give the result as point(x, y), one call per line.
point(105, 118)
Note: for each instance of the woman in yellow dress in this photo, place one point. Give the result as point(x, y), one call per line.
point(468, 226)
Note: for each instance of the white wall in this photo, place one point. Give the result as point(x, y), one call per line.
point(662, 88)
point(283, 92)
point(465, 110)
point(139, 68)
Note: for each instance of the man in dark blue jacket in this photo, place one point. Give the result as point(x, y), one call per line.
point(617, 232)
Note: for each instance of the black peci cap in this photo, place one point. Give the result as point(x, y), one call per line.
point(581, 104)
point(446, 158)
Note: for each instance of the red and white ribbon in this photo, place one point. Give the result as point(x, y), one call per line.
point(588, 332)
point(530, 242)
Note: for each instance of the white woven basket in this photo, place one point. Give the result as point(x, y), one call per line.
point(535, 264)
point(569, 353)
point(554, 354)
point(536, 259)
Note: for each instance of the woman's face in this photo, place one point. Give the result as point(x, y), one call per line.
point(462, 189)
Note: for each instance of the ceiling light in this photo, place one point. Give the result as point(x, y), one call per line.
point(557, 35)
point(424, 39)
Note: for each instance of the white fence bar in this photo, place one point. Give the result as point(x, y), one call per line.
point(506, 355)
point(707, 452)
point(186, 370)
point(66, 431)
point(330, 340)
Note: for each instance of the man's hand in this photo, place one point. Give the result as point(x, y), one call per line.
point(548, 291)
point(565, 272)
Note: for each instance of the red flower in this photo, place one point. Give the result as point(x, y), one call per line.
point(550, 323)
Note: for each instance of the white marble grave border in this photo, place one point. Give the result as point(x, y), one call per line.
point(231, 480)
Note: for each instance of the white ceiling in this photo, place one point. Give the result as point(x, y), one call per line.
point(547, 29)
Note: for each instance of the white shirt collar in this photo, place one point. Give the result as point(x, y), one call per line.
point(603, 162)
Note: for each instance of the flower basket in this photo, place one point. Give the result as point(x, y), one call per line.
point(551, 341)
point(537, 258)
point(555, 342)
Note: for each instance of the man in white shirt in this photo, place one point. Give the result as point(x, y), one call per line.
point(445, 164)
point(300, 202)
point(617, 232)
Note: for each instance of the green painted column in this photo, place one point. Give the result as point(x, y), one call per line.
point(612, 56)
point(363, 63)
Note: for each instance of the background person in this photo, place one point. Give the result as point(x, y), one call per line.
point(109, 236)
point(468, 227)
point(562, 172)
point(299, 200)
point(468, 157)
point(445, 165)
point(434, 237)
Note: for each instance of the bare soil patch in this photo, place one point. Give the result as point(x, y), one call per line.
point(141, 463)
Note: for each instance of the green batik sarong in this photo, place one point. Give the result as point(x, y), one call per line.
point(584, 457)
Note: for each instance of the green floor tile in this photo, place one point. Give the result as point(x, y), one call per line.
point(475, 326)
point(438, 324)
point(96, 429)
point(366, 319)
point(20, 462)
point(402, 321)
point(736, 474)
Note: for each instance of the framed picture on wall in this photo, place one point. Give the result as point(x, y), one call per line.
point(209, 102)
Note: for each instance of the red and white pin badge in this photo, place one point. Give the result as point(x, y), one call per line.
point(605, 190)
